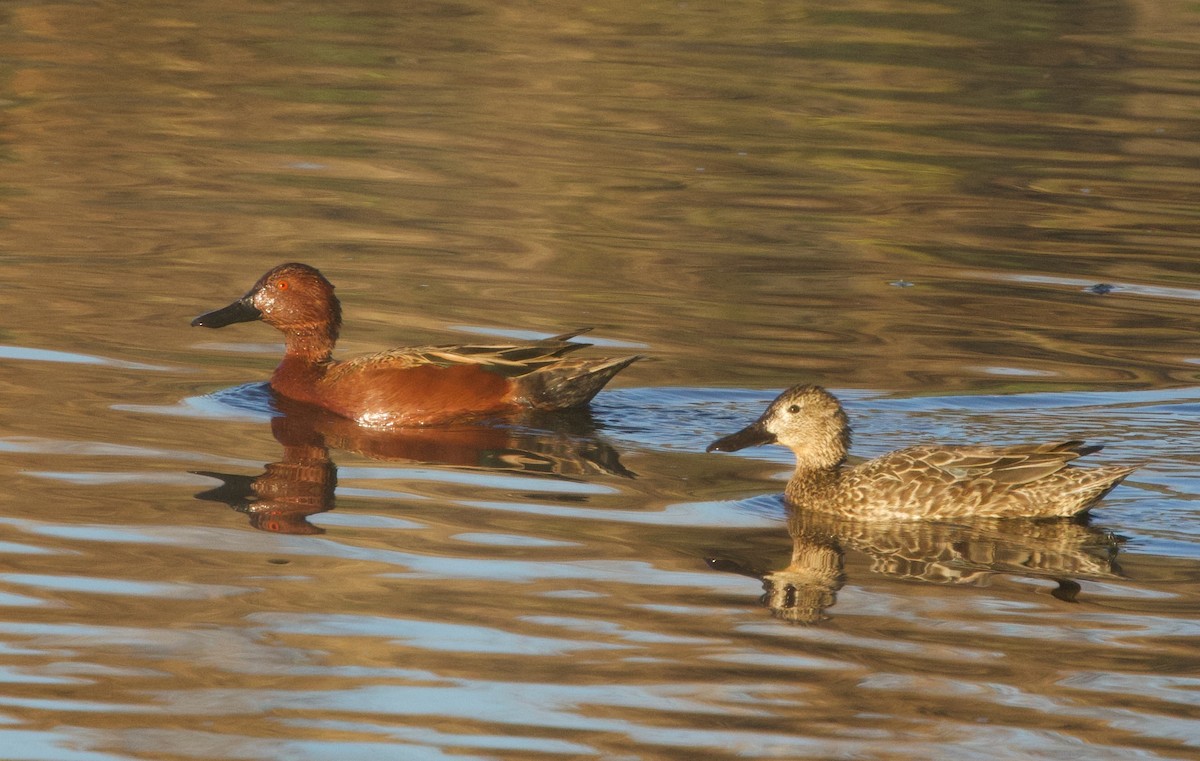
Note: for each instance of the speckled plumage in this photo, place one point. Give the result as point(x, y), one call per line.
point(933, 482)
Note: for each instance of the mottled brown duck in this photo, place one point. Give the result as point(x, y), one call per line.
point(931, 482)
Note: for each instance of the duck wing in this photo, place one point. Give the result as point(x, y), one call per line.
point(508, 360)
point(1003, 466)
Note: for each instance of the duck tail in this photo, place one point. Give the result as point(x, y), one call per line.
point(1114, 475)
point(1096, 483)
point(567, 384)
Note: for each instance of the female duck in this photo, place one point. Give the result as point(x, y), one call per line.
point(934, 482)
point(410, 386)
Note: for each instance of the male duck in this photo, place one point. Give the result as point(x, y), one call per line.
point(410, 386)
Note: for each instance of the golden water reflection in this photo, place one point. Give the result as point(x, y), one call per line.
point(302, 483)
point(757, 176)
point(958, 553)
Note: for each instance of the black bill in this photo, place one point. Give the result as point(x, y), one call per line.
point(752, 435)
point(239, 311)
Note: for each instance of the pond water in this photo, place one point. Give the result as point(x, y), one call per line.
point(975, 221)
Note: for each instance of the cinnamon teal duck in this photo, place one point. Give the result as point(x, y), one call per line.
point(409, 386)
point(931, 482)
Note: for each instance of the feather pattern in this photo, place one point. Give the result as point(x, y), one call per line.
point(940, 482)
point(509, 360)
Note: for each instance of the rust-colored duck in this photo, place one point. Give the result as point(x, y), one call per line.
point(931, 482)
point(412, 386)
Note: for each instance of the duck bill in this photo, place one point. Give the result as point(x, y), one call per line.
point(239, 311)
point(750, 436)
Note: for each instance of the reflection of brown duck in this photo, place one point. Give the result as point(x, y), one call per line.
point(281, 498)
point(560, 443)
point(302, 483)
point(969, 552)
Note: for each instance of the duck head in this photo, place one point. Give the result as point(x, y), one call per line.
point(806, 419)
point(294, 298)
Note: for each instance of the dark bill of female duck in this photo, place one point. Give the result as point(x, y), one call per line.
point(753, 435)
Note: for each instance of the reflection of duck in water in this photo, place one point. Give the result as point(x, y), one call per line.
point(968, 552)
point(933, 482)
point(302, 483)
point(410, 386)
point(282, 497)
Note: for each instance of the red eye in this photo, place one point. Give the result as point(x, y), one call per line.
point(282, 285)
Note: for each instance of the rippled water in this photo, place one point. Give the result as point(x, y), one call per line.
point(974, 221)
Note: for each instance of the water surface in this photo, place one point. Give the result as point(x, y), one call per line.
point(976, 222)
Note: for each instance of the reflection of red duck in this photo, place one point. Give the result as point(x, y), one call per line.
point(302, 483)
point(562, 444)
point(411, 386)
point(282, 497)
